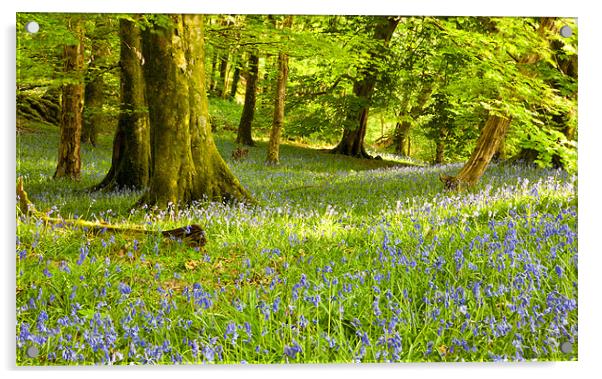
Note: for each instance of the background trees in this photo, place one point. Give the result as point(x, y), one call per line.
point(424, 88)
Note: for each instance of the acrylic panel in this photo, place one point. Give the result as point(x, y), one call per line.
point(231, 188)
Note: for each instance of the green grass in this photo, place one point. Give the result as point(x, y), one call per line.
point(341, 260)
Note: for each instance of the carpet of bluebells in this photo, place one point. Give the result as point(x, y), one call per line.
point(341, 260)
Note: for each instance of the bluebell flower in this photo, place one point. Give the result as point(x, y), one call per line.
point(124, 289)
point(83, 253)
point(293, 350)
point(231, 333)
point(558, 270)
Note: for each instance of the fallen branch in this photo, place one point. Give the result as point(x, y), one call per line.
point(192, 235)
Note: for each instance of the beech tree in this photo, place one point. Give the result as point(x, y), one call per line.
point(185, 163)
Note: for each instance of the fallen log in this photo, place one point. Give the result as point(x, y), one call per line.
point(193, 235)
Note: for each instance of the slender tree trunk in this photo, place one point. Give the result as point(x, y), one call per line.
point(186, 165)
point(356, 121)
point(248, 111)
point(130, 163)
point(93, 117)
point(235, 80)
point(212, 81)
point(69, 160)
point(273, 154)
point(94, 97)
point(223, 75)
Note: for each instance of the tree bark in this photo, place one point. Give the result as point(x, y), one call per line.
point(186, 165)
point(244, 136)
point(130, 163)
point(223, 75)
point(94, 97)
point(493, 133)
point(273, 154)
point(69, 160)
point(356, 121)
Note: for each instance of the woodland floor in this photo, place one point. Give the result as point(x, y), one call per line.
point(342, 260)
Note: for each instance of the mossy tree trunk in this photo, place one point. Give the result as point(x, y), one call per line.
point(130, 163)
point(94, 93)
point(69, 160)
point(244, 135)
point(185, 163)
point(356, 121)
point(273, 154)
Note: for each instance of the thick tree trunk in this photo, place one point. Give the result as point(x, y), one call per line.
point(356, 121)
point(244, 136)
point(186, 165)
point(440, 146)
point(273, 154)
point(69, 161)
point(130, 164)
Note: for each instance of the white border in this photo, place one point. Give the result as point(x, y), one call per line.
point(589, 173)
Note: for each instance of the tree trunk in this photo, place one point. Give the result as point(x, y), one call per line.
point(402, 131)
point(94, 97)
point(186, 165)
point(493, 133)
point(356, 121)
point(273, 155)
point(69, 161)
point(130, 163)
point(248, 111)
point(93, 117)
point(212, 81)
point(440, 146)
point(235, 80)
point(402, 128)
point(223, 75)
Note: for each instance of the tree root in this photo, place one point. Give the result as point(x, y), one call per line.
point(193, 235)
